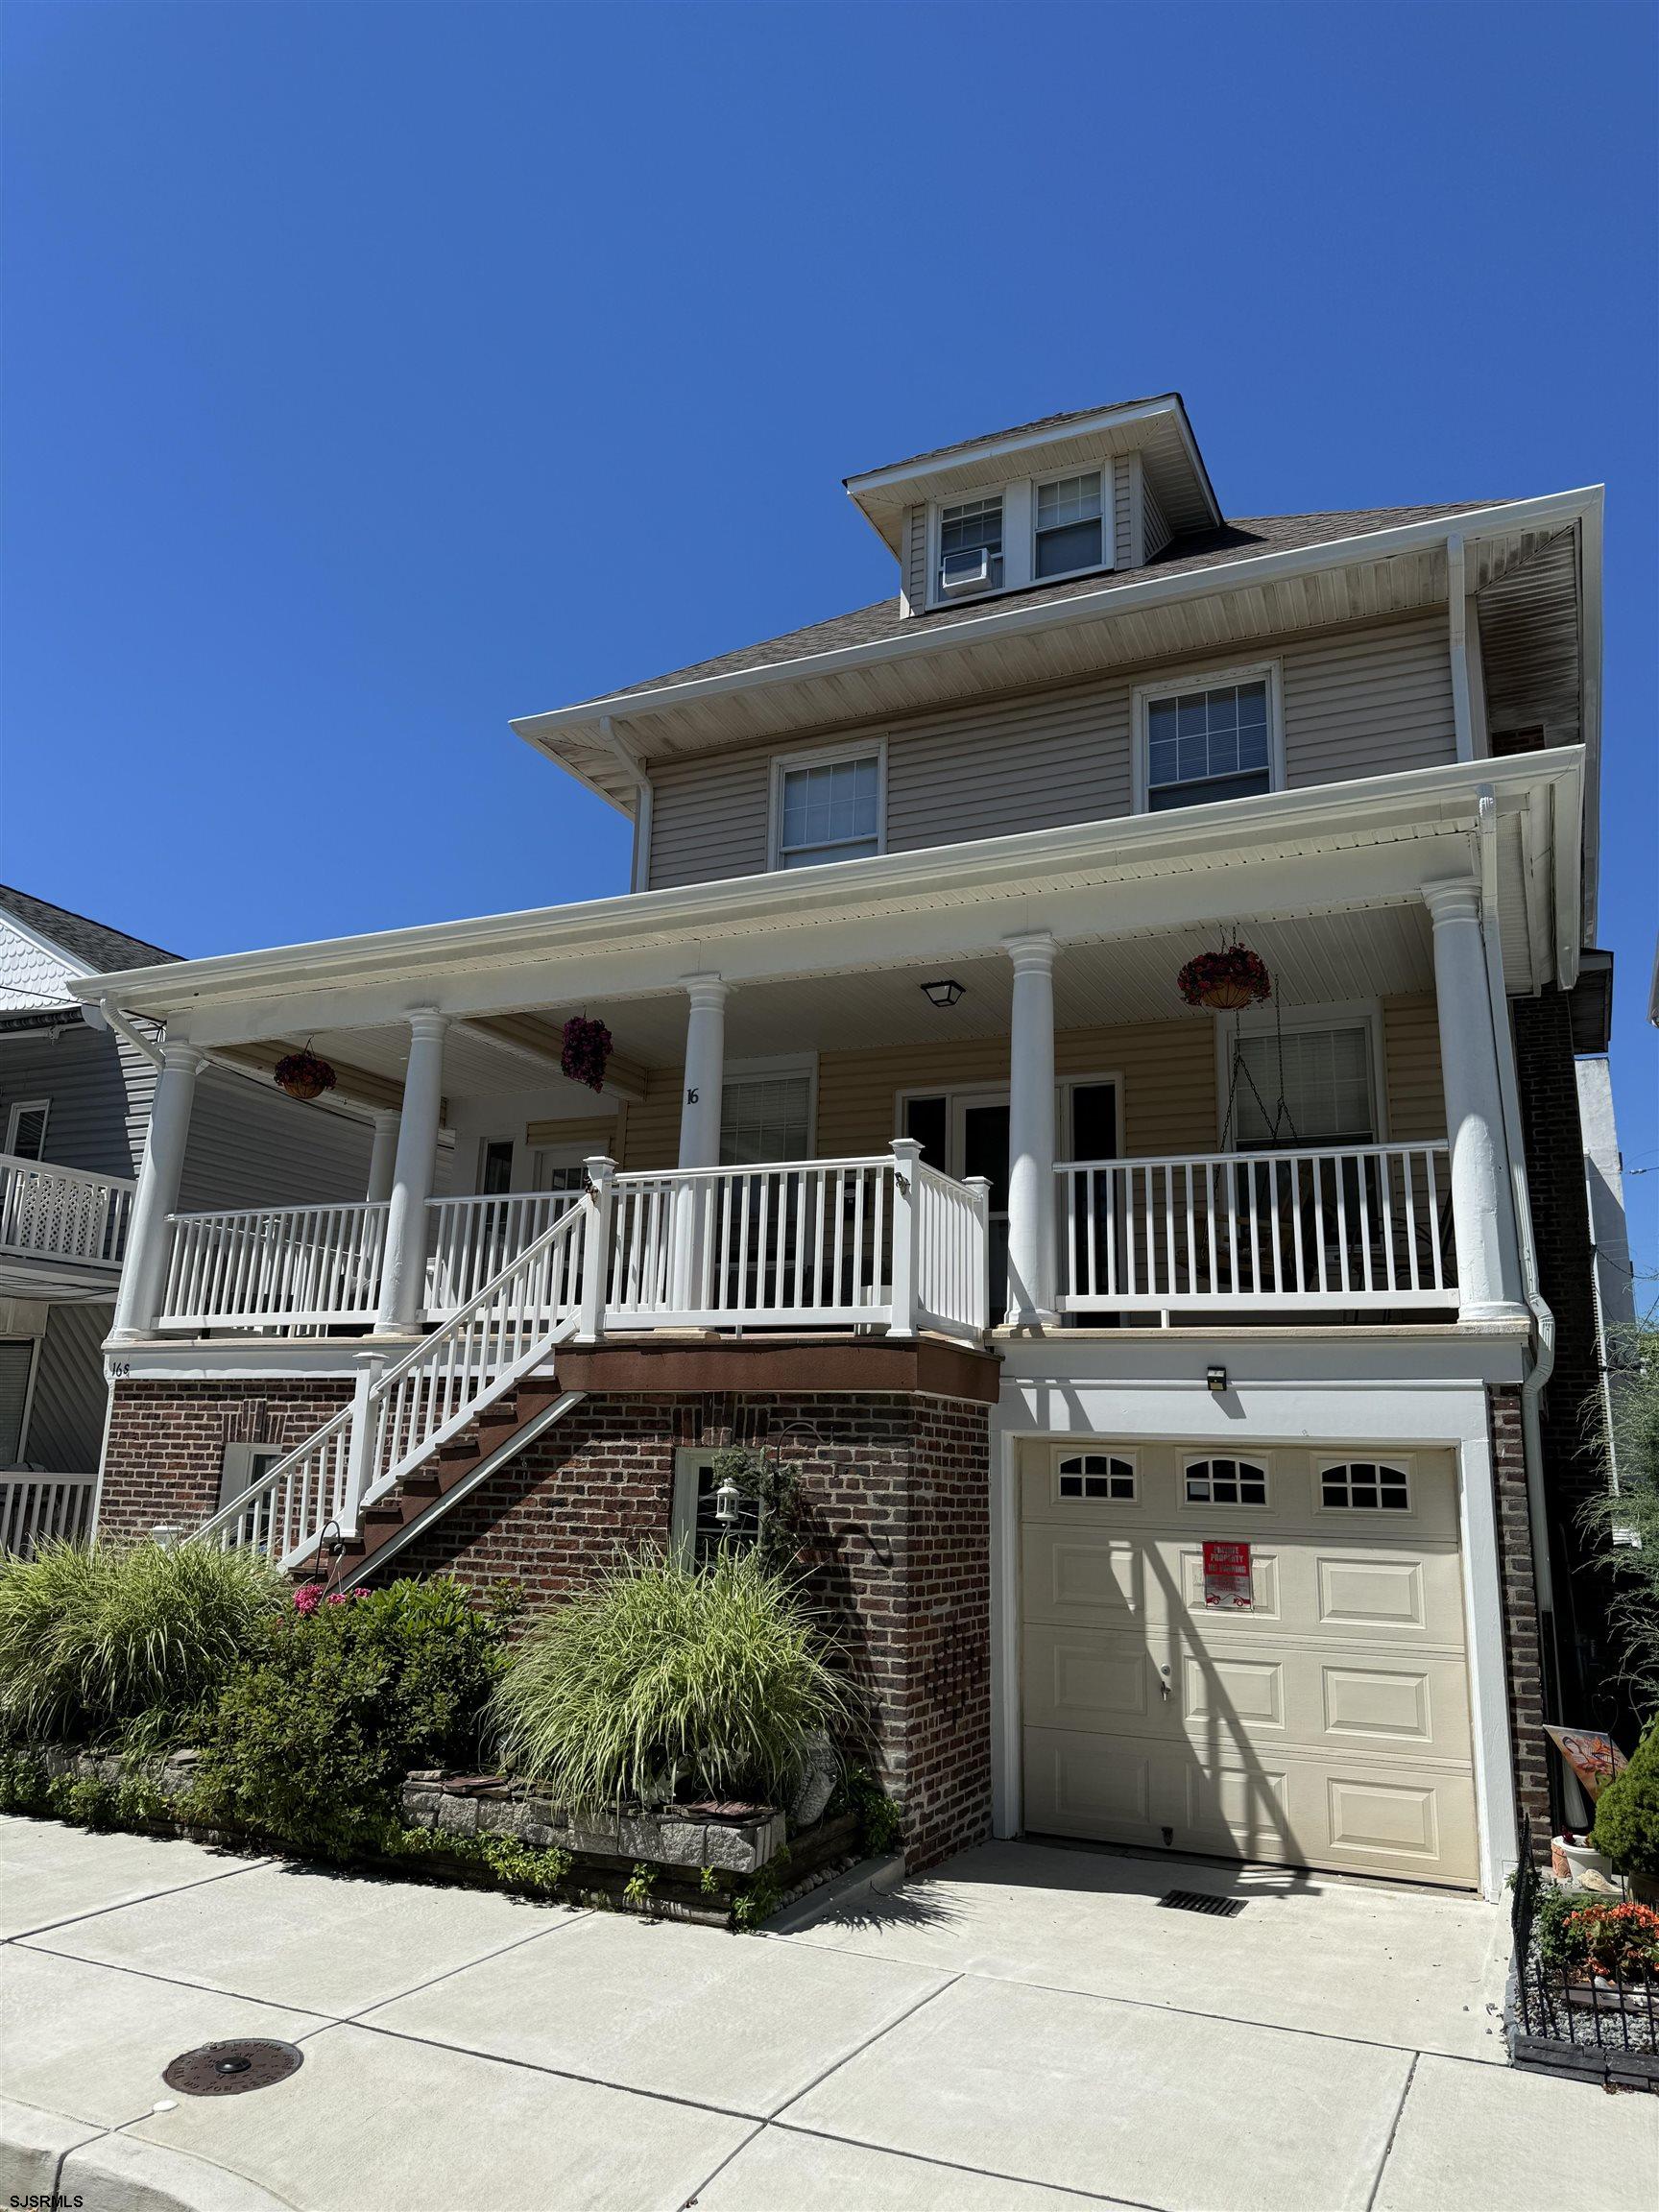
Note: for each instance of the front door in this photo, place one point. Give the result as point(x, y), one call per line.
point(979, 1146)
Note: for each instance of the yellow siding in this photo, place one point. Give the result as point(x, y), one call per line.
point(1411, 1060)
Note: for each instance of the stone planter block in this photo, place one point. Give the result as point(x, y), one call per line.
point(456, 1816)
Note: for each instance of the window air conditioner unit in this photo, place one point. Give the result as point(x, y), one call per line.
point(968, 570)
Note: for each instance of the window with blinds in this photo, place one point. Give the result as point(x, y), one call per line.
point(16, 1359)
point(1327, 1083)
point(764, 1118)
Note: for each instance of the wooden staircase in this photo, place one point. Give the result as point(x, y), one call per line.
point(499, 1431)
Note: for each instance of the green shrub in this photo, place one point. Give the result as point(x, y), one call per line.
point(100, 1638)
point(663, 1677)
point(1627, 1812)
point(312, 1738)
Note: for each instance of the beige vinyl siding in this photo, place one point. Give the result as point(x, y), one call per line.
point(1412, 1069)
point(1123, 511)
point(651, 1132)
point(1360, 702)
point(1168, 1068)
point(915, 556)
point(1369, 702)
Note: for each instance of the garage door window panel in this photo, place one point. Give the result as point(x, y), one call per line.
point(1365, 1485)
point(1226, 1482)
point(1100, 1476)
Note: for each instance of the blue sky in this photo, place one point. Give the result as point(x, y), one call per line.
point(374, 373)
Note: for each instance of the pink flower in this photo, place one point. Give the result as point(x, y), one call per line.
point(307, 1597)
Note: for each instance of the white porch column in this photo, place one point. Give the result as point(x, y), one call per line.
point(1483, 1215)
point(1031, 1246)
point(403, 1285)
point(698, 1127)
point(382, 1159)
point(704, 1067)
point(144, 1276)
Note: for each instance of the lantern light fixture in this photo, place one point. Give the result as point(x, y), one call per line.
point(728, 1503)
point(945, 992)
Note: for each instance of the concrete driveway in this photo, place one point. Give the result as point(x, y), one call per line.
point(1027, 2029)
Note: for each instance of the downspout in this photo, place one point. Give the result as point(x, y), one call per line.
point(1542, 1353)
point(114, 1018)
point(644, 804)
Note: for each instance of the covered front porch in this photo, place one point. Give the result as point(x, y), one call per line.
point(934, 1093)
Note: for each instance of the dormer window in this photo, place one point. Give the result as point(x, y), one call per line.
point(1069, 524)
point(971, 547)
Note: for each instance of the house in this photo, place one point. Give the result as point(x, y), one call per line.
point(1171, 1383)
point(76, 1085)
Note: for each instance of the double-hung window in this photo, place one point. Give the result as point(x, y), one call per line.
point(971, 546)
point(1214, 741)
point(828, 809)
point(765, 1118)
point(1323, 1076)
point(1068, 526)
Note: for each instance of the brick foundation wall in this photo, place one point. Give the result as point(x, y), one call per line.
point(1521, 1651)
point(1553, 1143)
point(895, 1499)
point(162, 1463)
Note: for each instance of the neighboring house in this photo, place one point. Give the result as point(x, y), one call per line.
point(75, 1096)
point(1165, 1381)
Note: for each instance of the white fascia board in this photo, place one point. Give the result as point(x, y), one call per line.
point(898, 472)
point(1590, 680)
point(1555, 509)
point(676, 919)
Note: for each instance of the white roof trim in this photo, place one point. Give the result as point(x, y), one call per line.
point(1553, 508)
point(787, 898)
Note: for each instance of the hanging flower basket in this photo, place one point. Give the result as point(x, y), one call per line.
point(586, 1051)
point(303, 1075)
point(1225, 981)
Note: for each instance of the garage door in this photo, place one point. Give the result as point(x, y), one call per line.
point(1322, 1722)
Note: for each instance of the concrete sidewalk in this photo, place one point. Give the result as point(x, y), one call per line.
point(1027, 2029)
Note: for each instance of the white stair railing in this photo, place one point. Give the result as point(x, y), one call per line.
point(401, 1416)
point(1350, 1226)
point(63, 1212)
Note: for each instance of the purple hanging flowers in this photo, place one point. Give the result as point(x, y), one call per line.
point(586, 1051)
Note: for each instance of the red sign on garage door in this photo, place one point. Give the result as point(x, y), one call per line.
point(1227, 1575)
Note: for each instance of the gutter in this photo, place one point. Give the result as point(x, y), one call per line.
point(107, 1015)
point(1541, 1363)
point(968, 871)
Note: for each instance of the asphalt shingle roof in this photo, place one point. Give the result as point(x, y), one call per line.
point(1236, 540)
point(101, 948)
point(1019, 430)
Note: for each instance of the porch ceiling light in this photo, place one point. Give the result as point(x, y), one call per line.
point(946, 992)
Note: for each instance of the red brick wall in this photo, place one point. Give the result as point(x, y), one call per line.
point(167, 1440)
point(895, 1501)
point(1521, 1636)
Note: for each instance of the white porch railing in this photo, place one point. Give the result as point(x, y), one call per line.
point(471, 1240)
point(33, 1507)
point(313, 1266)
point(1357, 1226)
point(63, 1212)
point(952, 1279)
point(401, 1416)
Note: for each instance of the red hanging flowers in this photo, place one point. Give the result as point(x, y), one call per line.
point(1225, 981)
point(586, 1051)
point(304, 1075)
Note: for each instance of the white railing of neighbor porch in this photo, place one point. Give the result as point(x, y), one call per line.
point(33, 1507)
point(1355, 1226)
point(471, 1240)
point(401, 1415)
point(275, 1268)
point(63, 1212)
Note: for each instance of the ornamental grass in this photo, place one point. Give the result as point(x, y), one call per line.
point(99, 1638)
point(663, 1681)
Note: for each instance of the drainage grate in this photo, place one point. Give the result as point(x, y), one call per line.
point(1196, 1901)
point(228, 2069)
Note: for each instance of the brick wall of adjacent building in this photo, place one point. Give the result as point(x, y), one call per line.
point(1522, 1650)
point(166, 1445)
point(895, 1510)
point(1552, 1138)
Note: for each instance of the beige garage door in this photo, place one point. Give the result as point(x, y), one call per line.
point(1326, 1725)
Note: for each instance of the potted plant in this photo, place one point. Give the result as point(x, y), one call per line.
point(586, 1051)
point(1574, 1856)
point(1225, 981)
point(1627, 1819)
point(304, 1075)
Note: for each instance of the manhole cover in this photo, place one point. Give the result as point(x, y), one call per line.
point(228, 2069)
point(1196, 1901)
